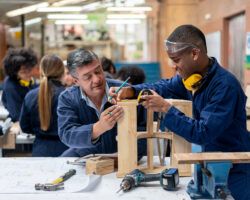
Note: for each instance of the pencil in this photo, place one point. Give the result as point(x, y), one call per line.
point(118, 89)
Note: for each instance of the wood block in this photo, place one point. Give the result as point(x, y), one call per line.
point(99, 165)
point(8, 141)
point(191, 158)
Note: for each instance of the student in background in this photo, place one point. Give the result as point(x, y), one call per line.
point(68, 80)
point(137, 75)
point(108, 67)
point(18, 65)
point(38, 114)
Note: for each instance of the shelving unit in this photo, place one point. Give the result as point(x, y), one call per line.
point(102, 48)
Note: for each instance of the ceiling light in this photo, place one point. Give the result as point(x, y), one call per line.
point(126, 16)
point(133, 9)
point(134, 2)
point(129, 2)
point(33, 21)
point(71, 22)
point(91, 6)
point(127, 21)
point(66, 2)
point(60, 9)
point(26, 10)
point(67, 16)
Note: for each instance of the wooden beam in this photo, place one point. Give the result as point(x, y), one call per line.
point(162, 135)
point(150, 142)
point(178, 143)
point(192, 158)
point(127, 138)
point(8, 141)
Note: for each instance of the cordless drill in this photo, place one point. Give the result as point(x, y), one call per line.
point(169, 179)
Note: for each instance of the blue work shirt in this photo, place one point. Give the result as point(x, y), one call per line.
point(47, 143)
point(219, 119)
point(76, 119)
point(13, 96)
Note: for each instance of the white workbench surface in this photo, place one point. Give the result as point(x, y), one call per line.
point(18, 176)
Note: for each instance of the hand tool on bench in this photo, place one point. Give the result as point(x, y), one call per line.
point(49, 186)
point(82, 160)
point(57, 184)
point(169, 179)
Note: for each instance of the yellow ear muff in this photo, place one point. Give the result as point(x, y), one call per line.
point(25, 83)
point(191, 82)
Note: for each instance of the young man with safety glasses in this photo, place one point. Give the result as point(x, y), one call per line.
point(219, 115)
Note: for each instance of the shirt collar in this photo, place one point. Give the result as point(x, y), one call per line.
point(91, 104)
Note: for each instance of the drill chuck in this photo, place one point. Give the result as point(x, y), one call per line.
point(127, 184)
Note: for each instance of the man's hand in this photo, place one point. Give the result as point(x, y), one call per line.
point(107, 120)
point(124, 93)
point(155, 102)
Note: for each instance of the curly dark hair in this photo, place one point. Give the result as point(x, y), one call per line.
point(15, 58)
point(108, 65)
point(137, 75)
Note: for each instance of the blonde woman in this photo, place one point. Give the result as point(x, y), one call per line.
point(38, 114)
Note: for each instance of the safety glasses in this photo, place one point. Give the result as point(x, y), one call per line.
point(177, 47)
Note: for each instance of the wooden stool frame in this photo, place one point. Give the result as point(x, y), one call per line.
point(127, 140)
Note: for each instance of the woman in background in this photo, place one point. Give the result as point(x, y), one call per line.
point(68, 80)
point(18, 65)
point(108, 67)
point(39, 110)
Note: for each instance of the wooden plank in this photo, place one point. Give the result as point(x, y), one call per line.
point(99, 165)
point(179, 144)
point(8, 141)
point(150, 141)
point(191, 158)
point(162, 135)
point(127, 138)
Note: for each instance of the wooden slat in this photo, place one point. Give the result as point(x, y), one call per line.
point(162, 135)
point(191, 158)
point(150, 142)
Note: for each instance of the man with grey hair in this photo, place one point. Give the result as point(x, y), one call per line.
point(86, 120)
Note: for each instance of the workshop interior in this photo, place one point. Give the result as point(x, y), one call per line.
point(125, 99)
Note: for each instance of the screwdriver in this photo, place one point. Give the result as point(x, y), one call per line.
point(64, 177)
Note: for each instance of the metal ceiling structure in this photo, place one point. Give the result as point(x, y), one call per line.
point(8, 5)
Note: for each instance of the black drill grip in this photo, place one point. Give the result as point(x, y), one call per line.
point(151, 177)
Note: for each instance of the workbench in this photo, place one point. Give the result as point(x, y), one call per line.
point(19, 175)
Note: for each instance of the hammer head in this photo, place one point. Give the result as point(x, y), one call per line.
point(49, 186)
